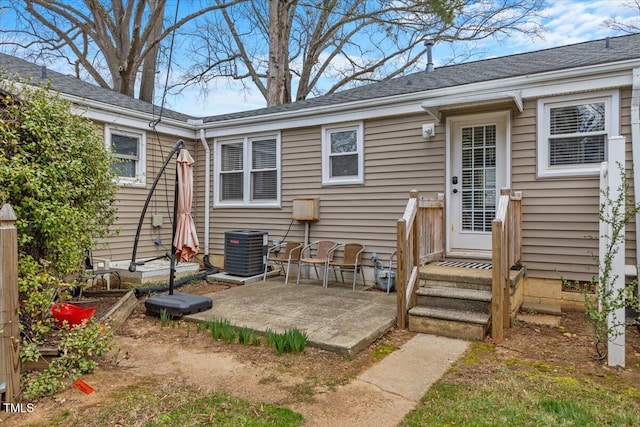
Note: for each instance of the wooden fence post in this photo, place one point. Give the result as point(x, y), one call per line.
point(401, 274)
point(497, 296)
point(9, 322)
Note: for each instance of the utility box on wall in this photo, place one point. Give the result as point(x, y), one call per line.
point(305, 208)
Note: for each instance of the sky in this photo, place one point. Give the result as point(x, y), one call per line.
point(563, 22)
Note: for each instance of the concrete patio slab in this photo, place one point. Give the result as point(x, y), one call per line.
point(336, 319)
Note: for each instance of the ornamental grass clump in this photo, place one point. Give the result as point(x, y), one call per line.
point(291, 341)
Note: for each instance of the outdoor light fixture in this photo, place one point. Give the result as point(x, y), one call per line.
point(428, 130)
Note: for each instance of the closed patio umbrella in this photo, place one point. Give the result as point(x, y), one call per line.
point(186, 239)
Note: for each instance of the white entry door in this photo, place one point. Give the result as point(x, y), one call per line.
point(479, 168)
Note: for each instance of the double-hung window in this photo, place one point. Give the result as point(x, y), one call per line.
point(248, 171)
point(573, 133)
point(343, 154)
point(128, 149)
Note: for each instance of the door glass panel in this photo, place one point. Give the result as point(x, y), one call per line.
point(478, 177)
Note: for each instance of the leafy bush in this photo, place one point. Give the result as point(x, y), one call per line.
point(602, 298)
point(55, 171)
point(601, 310)
point(79, 347)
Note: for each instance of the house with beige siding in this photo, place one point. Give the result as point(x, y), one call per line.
point(538, 123)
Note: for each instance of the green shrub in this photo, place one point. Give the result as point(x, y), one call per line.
point(55, 171)
point(79, 347)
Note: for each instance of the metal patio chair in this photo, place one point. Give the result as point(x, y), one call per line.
point(292, 251)
point(321, 256)
point(351, 261)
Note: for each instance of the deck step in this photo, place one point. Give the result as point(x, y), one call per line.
point(434, 275)
point(460, 324)
point(471, 300)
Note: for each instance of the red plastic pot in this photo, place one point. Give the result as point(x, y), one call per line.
point(73, 314)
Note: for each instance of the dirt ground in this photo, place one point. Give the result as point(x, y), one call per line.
point(146, 351)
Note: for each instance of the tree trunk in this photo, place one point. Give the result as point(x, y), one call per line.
point(278, 74)
point(149, 67)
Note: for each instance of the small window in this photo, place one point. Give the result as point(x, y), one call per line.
point(128, 149)
point(247, 171)
point(573, 132)
point(231, 172)
point(342, 154)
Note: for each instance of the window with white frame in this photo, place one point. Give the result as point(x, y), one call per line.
point(573, 133)
point(248, 171)
point(343, 154)
point(128, 148)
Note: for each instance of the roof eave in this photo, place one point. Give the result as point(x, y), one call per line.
point(113, 114)
point(416, 101)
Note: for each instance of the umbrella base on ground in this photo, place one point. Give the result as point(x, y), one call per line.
point(178, 304)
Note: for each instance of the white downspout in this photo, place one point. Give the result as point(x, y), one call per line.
point(635, 147)
point(207, 190)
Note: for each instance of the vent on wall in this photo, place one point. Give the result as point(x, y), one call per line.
point(245, 252)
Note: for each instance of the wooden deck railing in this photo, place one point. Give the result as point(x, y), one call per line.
point(506, 231)
point(420, 239)
point(431, 229)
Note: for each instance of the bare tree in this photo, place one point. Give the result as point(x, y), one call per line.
point(296, 43)
point(121, 36)
point(631, 26)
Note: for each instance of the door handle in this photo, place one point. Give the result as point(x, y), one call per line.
point(454, 180)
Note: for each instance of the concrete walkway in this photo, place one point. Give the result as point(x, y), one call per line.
point(390, 389)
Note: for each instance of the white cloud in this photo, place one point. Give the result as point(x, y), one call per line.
point(567, 22)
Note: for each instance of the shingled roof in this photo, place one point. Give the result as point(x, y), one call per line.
point(602, 51)
point(590, 53)
point(10, 67)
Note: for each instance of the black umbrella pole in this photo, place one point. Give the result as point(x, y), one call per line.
point(132, 266)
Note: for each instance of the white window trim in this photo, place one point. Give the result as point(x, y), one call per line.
point(326, 151)
point(612, 127)
point(246, 163)
point(140, 180)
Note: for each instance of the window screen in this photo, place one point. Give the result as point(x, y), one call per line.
point(231, 171)
point(247, 171)
point(264, 174)
point(344, 154)
point(125, 151)
point(577, 134)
